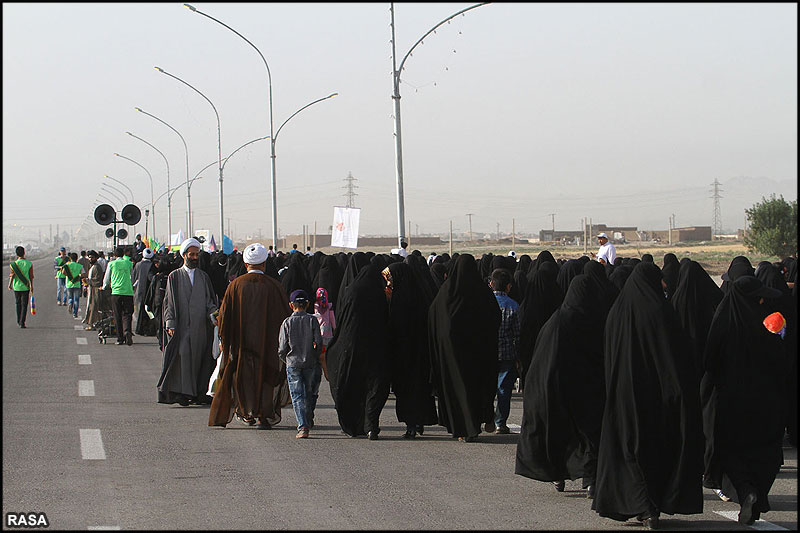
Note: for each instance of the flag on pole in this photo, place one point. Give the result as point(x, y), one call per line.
point(345, 227)
point(212, 246)
point(176, 238)
point(227, 245)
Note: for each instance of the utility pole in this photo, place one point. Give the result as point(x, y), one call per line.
point(315, 236)
point(670, 231)
point(498, 231)
point(451, 238)
point(408, 237)
point(717, 228)
point(553, 217)
point(513, 235)
point(470, 225)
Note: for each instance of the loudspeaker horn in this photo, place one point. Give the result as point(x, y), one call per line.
point(109, 233)
point(131, 215)
point(121, 233)
point(201, 239)
point(104, 214)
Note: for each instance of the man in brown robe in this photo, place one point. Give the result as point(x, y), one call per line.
point(253, 378)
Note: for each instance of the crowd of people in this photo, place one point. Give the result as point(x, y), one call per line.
point(647, 382)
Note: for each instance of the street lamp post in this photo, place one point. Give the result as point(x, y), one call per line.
point(271, 130)
point(118, 195)
point(169, 201)
point(151, 186)
point(188, 189)
point(219, 142)
point(398, 146)
point(121, 183)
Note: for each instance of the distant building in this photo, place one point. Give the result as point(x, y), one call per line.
point(689, 234)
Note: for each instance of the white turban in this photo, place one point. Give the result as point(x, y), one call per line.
point(188, 243)
point(255, 254)
point(148, 253)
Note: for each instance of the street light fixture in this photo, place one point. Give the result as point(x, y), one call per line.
point(151, 186)
point(271, 131)
point(121, 183)
point(398, 145)
point(219, 142)
point(115, 192)
point(188, 189)
point(169, 200)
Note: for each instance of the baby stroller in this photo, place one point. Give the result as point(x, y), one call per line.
point(105, 326)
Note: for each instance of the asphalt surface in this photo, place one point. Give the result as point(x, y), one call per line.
point(164, 468)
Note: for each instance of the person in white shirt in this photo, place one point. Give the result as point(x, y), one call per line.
point(431, 258)
point(607, 253)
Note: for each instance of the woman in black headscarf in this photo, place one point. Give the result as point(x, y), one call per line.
point(740, 266)
point(438, 273)
point(608, 291)
point(647, 258)
point(355, 263)
point(564, 393)
point(235, 266)
point(329, 277)
point(786, 304)
point(543, 296)
point(743, 413)
point(463, 321)
point(314, 264)
point(544, 257)
point(695, 300)
point(568, 270)
point(408, 348)
point(154, 299)
point(485, 266)
point(670, 271)
point(357, 357)
point(422, 278)
point(620, 276)
point(651, 443)
point(216, 271)
point(521, 275)
point(295, 276)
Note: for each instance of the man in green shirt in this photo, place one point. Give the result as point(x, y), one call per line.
point(118, 277)
point(72, 272)
point(61, 279)
point(21, 282)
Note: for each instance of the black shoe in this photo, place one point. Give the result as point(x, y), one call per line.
point(651, 522)
point(590, 492)
point(410, 433)
point(119, 342)
point(373, 435)
point(747, 514)
point(23, 326)
point(129, 340)
point(182, 401)
point(559, 485)
point(420, 430)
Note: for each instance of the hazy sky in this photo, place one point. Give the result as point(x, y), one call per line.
point(622, 112)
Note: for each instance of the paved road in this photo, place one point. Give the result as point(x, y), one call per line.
point(165, 469)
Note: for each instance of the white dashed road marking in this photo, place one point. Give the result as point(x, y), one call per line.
point(78, 327)
point(81, 340)
point(84, 359)
point(86, 387)
point(761, 525)
point(92, 444)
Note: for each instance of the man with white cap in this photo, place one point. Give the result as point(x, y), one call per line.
point(143, 273)
point(607, 253)
point(253, 379)
point(189, 308)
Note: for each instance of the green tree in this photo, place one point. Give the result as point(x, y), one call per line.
point(773, 227)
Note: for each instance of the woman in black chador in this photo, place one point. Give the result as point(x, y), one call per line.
point(542, 298)
point(565, 392)
point(651, 443)
point(695, 300)
point(357, 358)
point(408, 348)
point(463, 321)
point(743, 415)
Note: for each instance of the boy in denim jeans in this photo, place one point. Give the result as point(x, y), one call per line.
point(299, 346)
